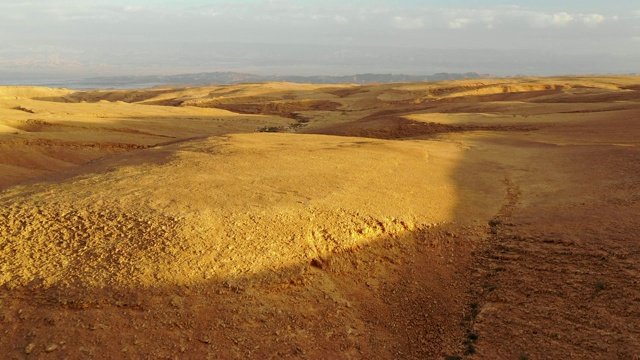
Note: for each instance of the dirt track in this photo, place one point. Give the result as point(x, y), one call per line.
point(489, 221)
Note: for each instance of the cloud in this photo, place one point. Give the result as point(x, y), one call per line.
point(592, 19)
point(172, 29)
point(407, 23)
point(557, 19)
point(562, 19)
point(459, 23)
point(463, 18)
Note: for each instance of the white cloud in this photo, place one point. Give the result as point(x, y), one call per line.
point(562, 19)
point(592, 19)
point(407, 23)
point(463, 18)
point(459, 23)
point(544, 20)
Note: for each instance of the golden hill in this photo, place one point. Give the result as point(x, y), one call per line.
point(492, 219)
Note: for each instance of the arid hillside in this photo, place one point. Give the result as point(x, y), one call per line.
point(492, 219)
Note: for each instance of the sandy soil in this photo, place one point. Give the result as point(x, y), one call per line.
point(464, 219)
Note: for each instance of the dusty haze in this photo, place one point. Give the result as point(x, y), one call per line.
point(73, 39)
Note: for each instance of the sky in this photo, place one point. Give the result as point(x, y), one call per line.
point(83, 38)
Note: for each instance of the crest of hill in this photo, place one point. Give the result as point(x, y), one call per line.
point(31, 92)
point(270, 92)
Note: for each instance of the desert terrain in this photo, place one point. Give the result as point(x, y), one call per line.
point(492, 219)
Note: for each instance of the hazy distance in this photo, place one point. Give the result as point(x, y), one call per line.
point(74, 39)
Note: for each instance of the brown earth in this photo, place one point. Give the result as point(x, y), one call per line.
point(492, 220)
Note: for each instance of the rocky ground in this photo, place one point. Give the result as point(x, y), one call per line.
point(462, 219)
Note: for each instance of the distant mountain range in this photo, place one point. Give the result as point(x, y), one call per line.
point(224, 78)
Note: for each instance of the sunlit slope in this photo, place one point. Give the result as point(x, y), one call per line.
point(32, 92)
point(258, 206)
point(41, 137)
point(43, 131)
